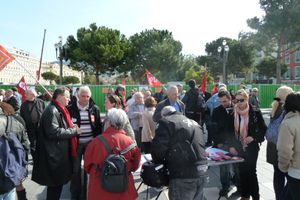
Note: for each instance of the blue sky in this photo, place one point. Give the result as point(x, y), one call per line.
point(192, 22)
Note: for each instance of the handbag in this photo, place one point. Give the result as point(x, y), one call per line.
point(154, 175)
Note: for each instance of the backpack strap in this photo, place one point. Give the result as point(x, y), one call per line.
point(128, 148)
point(106, 145)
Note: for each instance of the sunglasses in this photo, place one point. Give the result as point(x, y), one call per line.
point(240, 100)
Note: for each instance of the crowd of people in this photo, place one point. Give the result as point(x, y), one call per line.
point(61, 133)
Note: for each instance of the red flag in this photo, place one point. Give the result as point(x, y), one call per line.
point(153, 82)
point(203, 83)
point(5, 57)
point(22, 88)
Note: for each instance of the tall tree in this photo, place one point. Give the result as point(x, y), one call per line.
point(279, 26)
point(267, 67)
point(239, 61)
point(97, 50)
point(157, 51)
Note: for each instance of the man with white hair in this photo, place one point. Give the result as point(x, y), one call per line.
point(31, 111)
point(179, 144)
point(86, 114)
point(96, 154)
point(172, 100)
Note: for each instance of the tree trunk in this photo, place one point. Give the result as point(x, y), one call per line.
point(97, 77)
point(278, 63)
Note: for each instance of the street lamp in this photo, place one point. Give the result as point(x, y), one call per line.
point(60, 56)
point(225, 49)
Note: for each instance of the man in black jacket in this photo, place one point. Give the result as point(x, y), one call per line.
point(179, 144)
point(223, 135)
point(86, 114)
point(172, 100)
point(31, 111)
point(194, 103)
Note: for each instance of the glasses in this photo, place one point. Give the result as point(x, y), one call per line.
point(240, 100)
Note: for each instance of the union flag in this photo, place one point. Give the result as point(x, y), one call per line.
point(203, 83)
point(5, 57)
point(153, 82)
point(22, 88)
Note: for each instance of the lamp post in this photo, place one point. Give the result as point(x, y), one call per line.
point(59, 56)
point(225, 49)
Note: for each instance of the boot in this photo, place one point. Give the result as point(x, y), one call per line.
point(21, 195)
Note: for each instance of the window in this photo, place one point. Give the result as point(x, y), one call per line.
point(297, 57)
point(297, 72)
point(287, 74)
point(287, 59)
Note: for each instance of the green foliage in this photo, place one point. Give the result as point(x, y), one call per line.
point(157, 51)
point(49, 76)
point(267, 67)
point(70, 80)
point(97, 50)
point(280, 25)
point(239, 61)
point(196, 73)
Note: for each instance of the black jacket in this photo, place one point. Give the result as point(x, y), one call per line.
point(164, 103)
point(223, 126)
point(192, 100)
point(256, 129)
point(25, 112)
point(174, 130)
point(14, 103)
point(94, 113)
point(53, 160)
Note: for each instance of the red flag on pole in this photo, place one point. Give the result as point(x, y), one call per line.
point(22, 88)
point(153, 82)
point(5, 57)
point(203, 83)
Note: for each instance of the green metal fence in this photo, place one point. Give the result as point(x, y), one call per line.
point(266, 91)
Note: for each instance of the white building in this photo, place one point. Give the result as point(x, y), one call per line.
point(13, 72)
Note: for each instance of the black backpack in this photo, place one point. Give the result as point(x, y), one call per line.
point(13, 163)
point(114, 172)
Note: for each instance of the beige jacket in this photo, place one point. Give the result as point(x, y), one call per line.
point(288, 144)
point(148, 131)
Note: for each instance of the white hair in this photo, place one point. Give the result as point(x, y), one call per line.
point(117, 118)
point(172, 87)
point(84, 89)
point(137, 94)
point(33, 91)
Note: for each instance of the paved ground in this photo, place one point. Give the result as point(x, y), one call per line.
point(264, 171)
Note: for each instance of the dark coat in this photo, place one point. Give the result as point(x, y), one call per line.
point(25, 112)
point(172, 133)
point(164, 103)
point(14, 103)
point(53, 161)
point(223, 126)
point(93, 111)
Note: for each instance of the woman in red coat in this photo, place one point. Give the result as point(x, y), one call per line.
point(96, 153)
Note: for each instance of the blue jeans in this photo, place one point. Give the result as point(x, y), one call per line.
point(11, 195)
point(293, 188)
point(279, 183)
point(187, 189)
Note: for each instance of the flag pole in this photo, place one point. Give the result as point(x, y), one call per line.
point(37, 81)
point(41, 58)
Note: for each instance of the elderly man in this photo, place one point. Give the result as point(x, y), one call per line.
point(96, 153)
point(135, 115)
point(179, 143)
point(53, 159)
point(31, 111)
point(172, 100)
point(85, 113)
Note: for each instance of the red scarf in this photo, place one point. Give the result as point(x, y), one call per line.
point(74, 140)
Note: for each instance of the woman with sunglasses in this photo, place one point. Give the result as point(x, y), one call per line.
point(113, 101)
point(272, 158)
point(250, 129)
